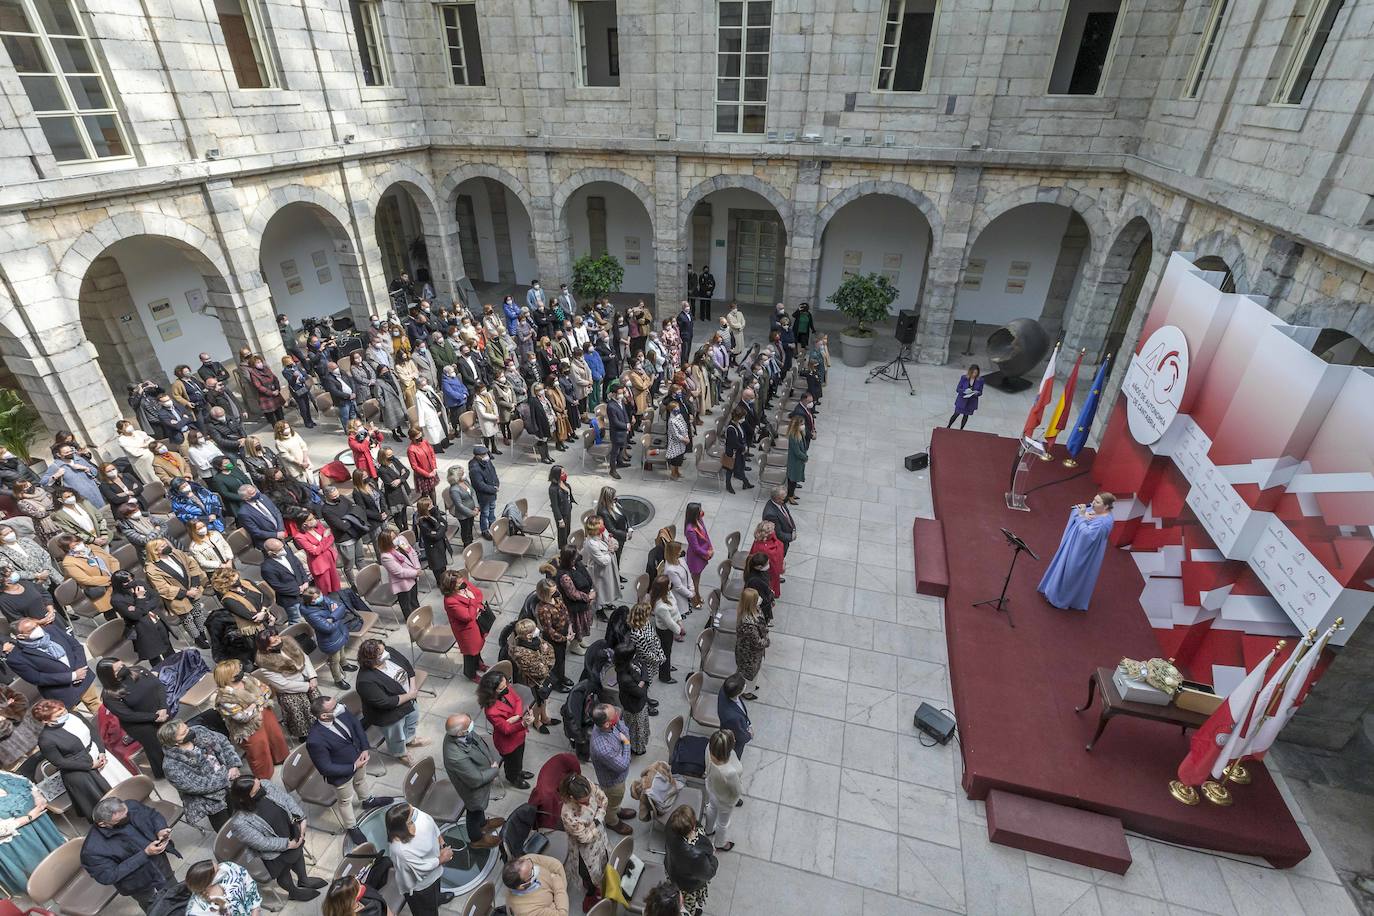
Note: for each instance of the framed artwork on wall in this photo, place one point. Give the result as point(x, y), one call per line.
point(195, 301)
point(160, 309)
point(324, 275)
point(294, 286)
point(1019, 269)
point(319, 258)
point(892, 262)
point(853, 259)
point(289, 269)
point(169, 330)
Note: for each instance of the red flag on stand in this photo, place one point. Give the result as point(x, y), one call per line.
point(1218, 741)
point(1060, 418)
point(1042, 398)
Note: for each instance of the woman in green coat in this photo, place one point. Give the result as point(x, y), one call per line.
point(796, 456)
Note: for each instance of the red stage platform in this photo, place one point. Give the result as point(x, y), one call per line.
point(1015, 689)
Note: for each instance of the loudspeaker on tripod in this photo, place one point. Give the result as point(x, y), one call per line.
point(917, 462)
point(906, 327)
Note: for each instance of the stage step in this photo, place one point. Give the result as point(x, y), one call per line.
point(932, 570)
point(1057, 831)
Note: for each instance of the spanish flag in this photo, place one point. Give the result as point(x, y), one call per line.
point(1060, 418)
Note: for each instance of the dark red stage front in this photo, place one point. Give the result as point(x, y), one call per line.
point(1015, 689)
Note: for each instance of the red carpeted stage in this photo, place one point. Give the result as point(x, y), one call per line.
point(1015, 689)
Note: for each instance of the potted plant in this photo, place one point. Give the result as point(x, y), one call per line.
point(596, 277)
point(20, 425)
point(864, 298)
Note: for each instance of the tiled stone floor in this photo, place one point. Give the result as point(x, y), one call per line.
point(847, 814)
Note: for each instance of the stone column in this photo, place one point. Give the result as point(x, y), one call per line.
point(241, 301)
point(1071, 284)
point(363, 233)
point(670, 238)
point(803, 243)
point(552, 249)
point(947, 253)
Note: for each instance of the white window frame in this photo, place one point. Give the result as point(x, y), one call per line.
point(884, 45)
point(1312, 14)
point(584, 63)
point(739, 103)
point(1106, 61)
point(1206, 48)
point(257, 35)
point(72, 111)
point(452, 34)
point(370, 12)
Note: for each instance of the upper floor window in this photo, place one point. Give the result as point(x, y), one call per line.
point(48, 46)
point(904, 56)
point(744, 37)
point(367, 29)
point(1310, 28)
point(464, 44)
point(243, 38)
point(1206, 48)
point(598, 42)
point(1086, 43)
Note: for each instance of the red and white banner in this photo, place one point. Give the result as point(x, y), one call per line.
point(1221, 738)
point(1042, 398)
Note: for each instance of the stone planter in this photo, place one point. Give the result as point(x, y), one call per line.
point(855, 350)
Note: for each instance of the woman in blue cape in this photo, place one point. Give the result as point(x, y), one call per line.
point(1072, 575)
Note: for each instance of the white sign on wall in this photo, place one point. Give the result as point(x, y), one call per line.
point(1155, 383)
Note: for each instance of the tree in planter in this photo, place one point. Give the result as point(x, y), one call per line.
point(596, 277)
point(20, 425)
point(864, 298)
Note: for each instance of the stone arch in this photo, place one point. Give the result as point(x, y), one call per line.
point(77, 260)
point(422, 193)
point(1122, 280)
point(562, 216)
point(279, 198)
point(540, 233)
point(462, 173)
point(1350, 316)
point(760, 187)
point(891, 189)
point(1077, 201)
point(582, 177)
point(1224, 245)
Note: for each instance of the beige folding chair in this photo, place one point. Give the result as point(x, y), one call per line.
point(436, 797)
point(467, 422)
point(511, 545)
point(737, 557)
point(425, 635)
point(707, 466)
point(652, 876)
point(671, 734)
point(702, 705)
point(300, 777)
point(642, 583)
point(535, 525)
point(127, 555)
point(370, 410)
point(723, 620)
point(729, 590)
point(600, 453)
point(229, 848)
point(108, 639)
point(323, 402)
point(483, 901)
point(651, 456)
point(715, 661)
point(141, 789)
point(60, 879)
point(492, 572)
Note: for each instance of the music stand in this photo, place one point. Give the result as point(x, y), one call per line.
point(1001, 602)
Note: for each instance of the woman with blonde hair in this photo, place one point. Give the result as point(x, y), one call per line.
point(796, 456)
point(642, 635)
point(245, 704)
point(598, 555)
point(258, 460)
point(179, 581)
point(679, 577)
point(667, 624)
point(208, 547)
point(242, 599)
point(285, 667)
point(767, 542)
point(293, 455)
point(533, 658)
point(751, 638)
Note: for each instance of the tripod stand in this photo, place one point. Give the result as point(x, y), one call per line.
point(1001, 602)
point(895, 369)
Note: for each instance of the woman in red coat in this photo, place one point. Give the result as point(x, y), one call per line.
point(361, 442)
point(318, 543)
point(766, 542)
point(462, 603)
point(420, 454)
point(509, 725)
point(268, 388)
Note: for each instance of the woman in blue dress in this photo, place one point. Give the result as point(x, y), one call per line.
point(27, 834)
point(966, 396)
point(1072, 575)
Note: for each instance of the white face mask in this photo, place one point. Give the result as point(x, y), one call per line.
point(9, 537)
point(12, 578)
point(35, 633)
point(69, 500)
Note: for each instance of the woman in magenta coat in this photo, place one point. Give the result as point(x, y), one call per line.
point(318, 543)
point(699, 549)
point(402, 565)
point(462, 604)
point(510, 722)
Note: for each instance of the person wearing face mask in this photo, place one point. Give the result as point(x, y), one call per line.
point(431, 418)
point(271, 824)
point(52, 660)
point(282, 665)
point(455, 395)
point(463, 605)
point(117, 489)
point(245, 704)
point(512, 313)
point(21, 598)
point(173, 420)
point(179, 580)
point(68, 469)
point(525, 334)
point(534, 659)
point(78, 518)
point(298, 384)
point(471, 766)
point(200, 764)
point(329, 619)
point(27, 558)
point(443, 352)
point(339, 748)
point(68, 742)
point(510, 722)
point(90, 566)
point(407, 376)
point(487, 484)
point(423, 359)
point(268, 388)
point(341, 393)
point(141, 610)
point(193, 502)
point(127, 848)
point(318, 543)
point(169, 464)
point(388, 689)
point(228, 477)
point(13, 469)
point(535, 886)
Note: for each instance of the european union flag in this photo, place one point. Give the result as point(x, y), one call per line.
point(1089, 411)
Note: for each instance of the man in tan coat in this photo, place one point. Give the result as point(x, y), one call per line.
point(536, 886)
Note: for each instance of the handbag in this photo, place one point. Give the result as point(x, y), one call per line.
point(486, 619)
point(727, 461)
point(93, 592)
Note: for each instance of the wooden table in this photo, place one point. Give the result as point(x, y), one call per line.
point(1113, 704)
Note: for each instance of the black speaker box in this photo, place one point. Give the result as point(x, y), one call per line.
point(935, 723)
point(906, 327)
point(917, 462)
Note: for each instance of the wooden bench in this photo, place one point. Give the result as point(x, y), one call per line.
point(932, 568)
point(1057, 831)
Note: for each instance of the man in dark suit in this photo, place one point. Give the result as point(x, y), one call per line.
point(803, 409)
point(706, 288)
point(173, 420)
point(487, 483)
point(469, 370)
point(387, 688)
point(54, 662)
point(217, 395)
point(684, 330)
point(210, 368)
point(775, 511)
point(338, 746)
point(341, 393)
point(618, 419)
point(471, 766)
point(226, 430)
point(283, 571)
point(733, 713)
point(259, 516)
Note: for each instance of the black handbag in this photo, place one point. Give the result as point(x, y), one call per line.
point(93, 592)
point(486, 619)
